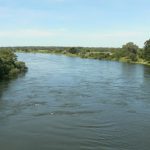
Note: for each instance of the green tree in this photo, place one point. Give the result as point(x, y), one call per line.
point(131, 50)
point(147, 50)
point(9, 65)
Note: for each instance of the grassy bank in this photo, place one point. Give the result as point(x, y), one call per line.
point(99, 54)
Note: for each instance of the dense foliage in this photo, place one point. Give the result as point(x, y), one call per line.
point(147, 50)
point(9, 66)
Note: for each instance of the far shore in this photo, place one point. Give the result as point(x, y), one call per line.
point(123, 60)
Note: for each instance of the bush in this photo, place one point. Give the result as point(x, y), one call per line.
point(13, 72)
point(20, 65)
point(73, 50)
point(9, 66)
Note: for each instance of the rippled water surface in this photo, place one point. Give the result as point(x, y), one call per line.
point(65, 103)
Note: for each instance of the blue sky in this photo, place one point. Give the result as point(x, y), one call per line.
point(103, 23)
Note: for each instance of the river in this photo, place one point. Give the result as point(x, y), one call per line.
point(69, 103)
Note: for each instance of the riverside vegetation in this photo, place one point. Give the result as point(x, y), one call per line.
point(129, 52)
point(9, 66)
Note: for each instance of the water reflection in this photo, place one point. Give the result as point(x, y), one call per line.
point(7, 109)
point(147, 72)
point(4, 84)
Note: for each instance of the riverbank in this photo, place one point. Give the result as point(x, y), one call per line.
point(90, 56)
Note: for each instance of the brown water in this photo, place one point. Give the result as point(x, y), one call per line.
point(65, 103)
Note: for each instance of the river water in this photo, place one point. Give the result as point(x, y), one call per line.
point(67, 103)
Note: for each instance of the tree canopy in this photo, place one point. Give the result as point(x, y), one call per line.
point(9, 66)
point(147, 50)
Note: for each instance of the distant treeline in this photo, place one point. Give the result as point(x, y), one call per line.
point(55, 49)
point(129, 52)
point(9, 66)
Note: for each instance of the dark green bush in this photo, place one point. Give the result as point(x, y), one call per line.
point(9, 66)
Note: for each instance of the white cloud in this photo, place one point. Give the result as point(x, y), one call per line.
point(30, 33)
point(60, 37)
point(105, 35)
